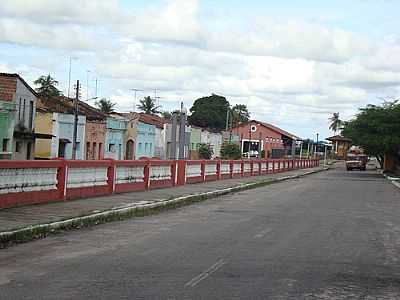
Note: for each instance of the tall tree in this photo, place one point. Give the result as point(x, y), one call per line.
point(209, 112)
point(47, 87)
point(105, 105)
point(240, 114)
point(148, 106)
point(336, 123)
point(376, 129)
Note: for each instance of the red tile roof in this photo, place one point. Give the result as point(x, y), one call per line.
point(338, 138)
point(152, 120)
point(22, 80)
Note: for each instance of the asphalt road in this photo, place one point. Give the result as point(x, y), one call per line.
point(333, 235)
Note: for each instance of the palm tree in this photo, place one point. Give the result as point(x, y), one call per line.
point(47, 87)
point(148, 106)
point(105, 105)
point(336, 123)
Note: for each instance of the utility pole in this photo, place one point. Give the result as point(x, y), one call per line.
point(301, 149)
point(87, 84)
point(173, 135)
point(325, 157)
point(316, 147)
point(248, 153)
point(134, 103)
point(182, 133)
point(227, 119)
point(69, 75)
point(74, 137)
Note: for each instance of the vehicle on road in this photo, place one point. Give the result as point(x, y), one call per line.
point(356, 161)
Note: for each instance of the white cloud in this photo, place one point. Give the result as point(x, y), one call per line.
point(280, 68)
point(60, 11)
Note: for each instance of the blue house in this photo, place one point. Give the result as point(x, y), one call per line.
point(146, 138)
point(115, 131)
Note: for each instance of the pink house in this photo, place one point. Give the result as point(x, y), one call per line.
point(256, 136)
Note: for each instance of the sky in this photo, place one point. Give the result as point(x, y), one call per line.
point(292, 62)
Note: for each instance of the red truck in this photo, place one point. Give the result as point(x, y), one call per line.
point(356, 161)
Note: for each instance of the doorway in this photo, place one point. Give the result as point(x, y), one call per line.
point(130, 146)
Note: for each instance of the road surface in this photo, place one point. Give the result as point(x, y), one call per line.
point(332, 235)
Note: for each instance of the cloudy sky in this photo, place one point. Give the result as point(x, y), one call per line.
point(293, 62)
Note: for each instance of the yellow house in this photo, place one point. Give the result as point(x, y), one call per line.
point(43, 125)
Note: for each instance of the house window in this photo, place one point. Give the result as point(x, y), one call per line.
point(23, 111)
point(146, 145)
point(5, 145)
point(94, 148)
point(140, 147)
point(111, 147)
point(87, 150)
point(30, 115)
point(19, 109)
point(78, 147)
point(100, 150)
point(18, 147)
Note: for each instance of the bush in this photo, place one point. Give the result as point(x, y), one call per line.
point(230, 151)
point(205, 151)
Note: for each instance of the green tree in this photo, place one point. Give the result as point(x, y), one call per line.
point(240, 114)
point(230, 150)
point(47, 87)
point(166, 115)
point(148, 106)
point(105, 105)
point(209, 112)
point(205, 151)
point(336, 123)
point(376, 129)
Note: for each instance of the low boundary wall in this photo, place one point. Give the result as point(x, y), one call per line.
point(31, 182)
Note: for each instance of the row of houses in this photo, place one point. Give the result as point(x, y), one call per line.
point(35, 128)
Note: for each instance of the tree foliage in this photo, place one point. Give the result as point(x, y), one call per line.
point(209, 112)
point(205, 151)
point(105, 105)
point(376, 129)
point(148, 106)
point(230, 150)
point(240, 114)
point(336, 123)
point(47, 87)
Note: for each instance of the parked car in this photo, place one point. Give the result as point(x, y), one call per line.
point(356, 161)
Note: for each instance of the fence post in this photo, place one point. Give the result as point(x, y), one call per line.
point(111, 172)
point(146, 178)
point(231, 169)
point(218, 169)
point(173, 173)
point(251, 168)
point(62, 177)
point(203, 170)
point(181, 172)
point(242, 168)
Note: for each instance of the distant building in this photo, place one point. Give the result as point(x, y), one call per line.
point(54, 117)
point(17, 118)
point(115, 136)
point(256, 136)
point(214, 140)
point(340, 146)
point(159, 134)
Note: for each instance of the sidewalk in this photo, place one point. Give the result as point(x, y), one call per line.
point(13, 219)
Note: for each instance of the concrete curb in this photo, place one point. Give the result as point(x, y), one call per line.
point(39, 231)
point(394, 180)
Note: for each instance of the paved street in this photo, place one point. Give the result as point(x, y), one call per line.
point(332, 235)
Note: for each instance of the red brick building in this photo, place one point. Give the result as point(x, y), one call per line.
point(256, 136)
